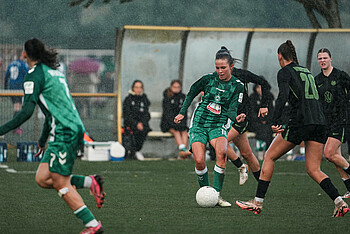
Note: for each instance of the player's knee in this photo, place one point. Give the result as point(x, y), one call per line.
point(40, 181)
point(328, 155)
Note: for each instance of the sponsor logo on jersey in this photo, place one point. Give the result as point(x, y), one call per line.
point(328, 97)
point(214, 108)
point(240, 97)
point(28, 87)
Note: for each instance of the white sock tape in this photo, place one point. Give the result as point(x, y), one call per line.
point(63, 191)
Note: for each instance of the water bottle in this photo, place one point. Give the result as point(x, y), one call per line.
point(1, 153)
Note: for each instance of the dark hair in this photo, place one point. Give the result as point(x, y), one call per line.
point(36, 50)
point(325, 50)
point(287, 50)
point(224, 53)
point(133, 84)
point(168, 90)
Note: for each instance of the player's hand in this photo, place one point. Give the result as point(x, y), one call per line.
point(139, 126)
point(277, 128)
point(263, 112)
point(240, 117)
point(178, 118)
point(39, 152)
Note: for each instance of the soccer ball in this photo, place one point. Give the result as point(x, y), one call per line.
point(207, 196)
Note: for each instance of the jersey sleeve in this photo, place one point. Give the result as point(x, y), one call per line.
point(235, 102)
point(195, 89)
point(249, 77)
point(283, 79)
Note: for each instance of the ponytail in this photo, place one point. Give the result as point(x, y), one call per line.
point(37, 51)
point(287, 50)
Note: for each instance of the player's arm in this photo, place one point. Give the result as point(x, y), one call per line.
point(235, 102)
point(23, 115)
point(45, 132)
point(195, 89)
point(283, 79)
point(249, 77)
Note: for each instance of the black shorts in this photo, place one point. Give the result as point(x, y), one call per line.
point(296, 135)
point(241, 127)
point(337, 131)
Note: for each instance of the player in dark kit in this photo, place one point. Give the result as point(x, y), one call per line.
point(333, 87)
point(306, 123)
point(238, 132)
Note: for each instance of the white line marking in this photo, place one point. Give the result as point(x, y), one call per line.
point(11, 170)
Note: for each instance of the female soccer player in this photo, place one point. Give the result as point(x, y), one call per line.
point(212, 118)
point(47, 87)
point(306, 123)
point(238, 132)
point(333, 87)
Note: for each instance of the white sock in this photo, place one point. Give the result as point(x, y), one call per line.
point(182, 147)
point(259, 199)
point(338, 200)
point(92, 223)
point(202, 172)
point(302, 150)
point(87, 182)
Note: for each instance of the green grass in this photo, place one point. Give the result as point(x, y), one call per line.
point(159, 197)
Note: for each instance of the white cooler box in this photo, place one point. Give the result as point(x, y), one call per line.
point(103, 151)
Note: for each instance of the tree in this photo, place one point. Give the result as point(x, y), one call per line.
point(326, 8)
point(89, 2)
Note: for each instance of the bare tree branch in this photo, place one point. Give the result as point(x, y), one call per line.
point(328, 9)
point(89, 2)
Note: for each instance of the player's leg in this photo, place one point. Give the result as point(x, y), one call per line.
point(313, 157)
point(65, 190)
point(92, 182)
point(333, 154)
point(278, 147)
point(235, 159)
point(43, 176)
point(198, 150)
point(220, 146)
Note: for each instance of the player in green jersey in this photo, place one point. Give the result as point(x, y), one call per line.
point(333, 86)
point(46, 86)
point(212, 118)
point(306, 123)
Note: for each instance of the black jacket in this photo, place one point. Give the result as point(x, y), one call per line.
point(171, 108)
point(135, 110)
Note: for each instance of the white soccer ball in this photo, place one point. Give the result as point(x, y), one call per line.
point(207, 196)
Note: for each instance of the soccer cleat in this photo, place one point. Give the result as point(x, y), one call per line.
point(96, 189)
point(184, 154)
point(346, 195)
point(243, 174)
point(93, 230)
point(139, 156)
point(341, 210)
point(223, 203)
point(251, 205)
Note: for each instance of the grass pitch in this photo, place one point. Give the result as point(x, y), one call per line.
point(159, 197)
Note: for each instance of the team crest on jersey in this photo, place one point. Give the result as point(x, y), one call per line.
point(217, 98)
point(333, 82)
point(28, 87)
point(328, 97)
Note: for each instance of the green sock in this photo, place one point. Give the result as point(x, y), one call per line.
point(77, 181)
point(203, 178)
point(219, 176)
point(84, 214)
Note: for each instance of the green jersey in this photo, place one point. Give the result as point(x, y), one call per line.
point(48, 88)
point(219, 102)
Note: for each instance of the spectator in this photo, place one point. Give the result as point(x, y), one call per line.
point(260, 125)
point(173, 99)
point(136, 117)
point(14, 78)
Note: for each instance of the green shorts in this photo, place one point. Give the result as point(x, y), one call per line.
point(204, 135)
point(60, 156)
